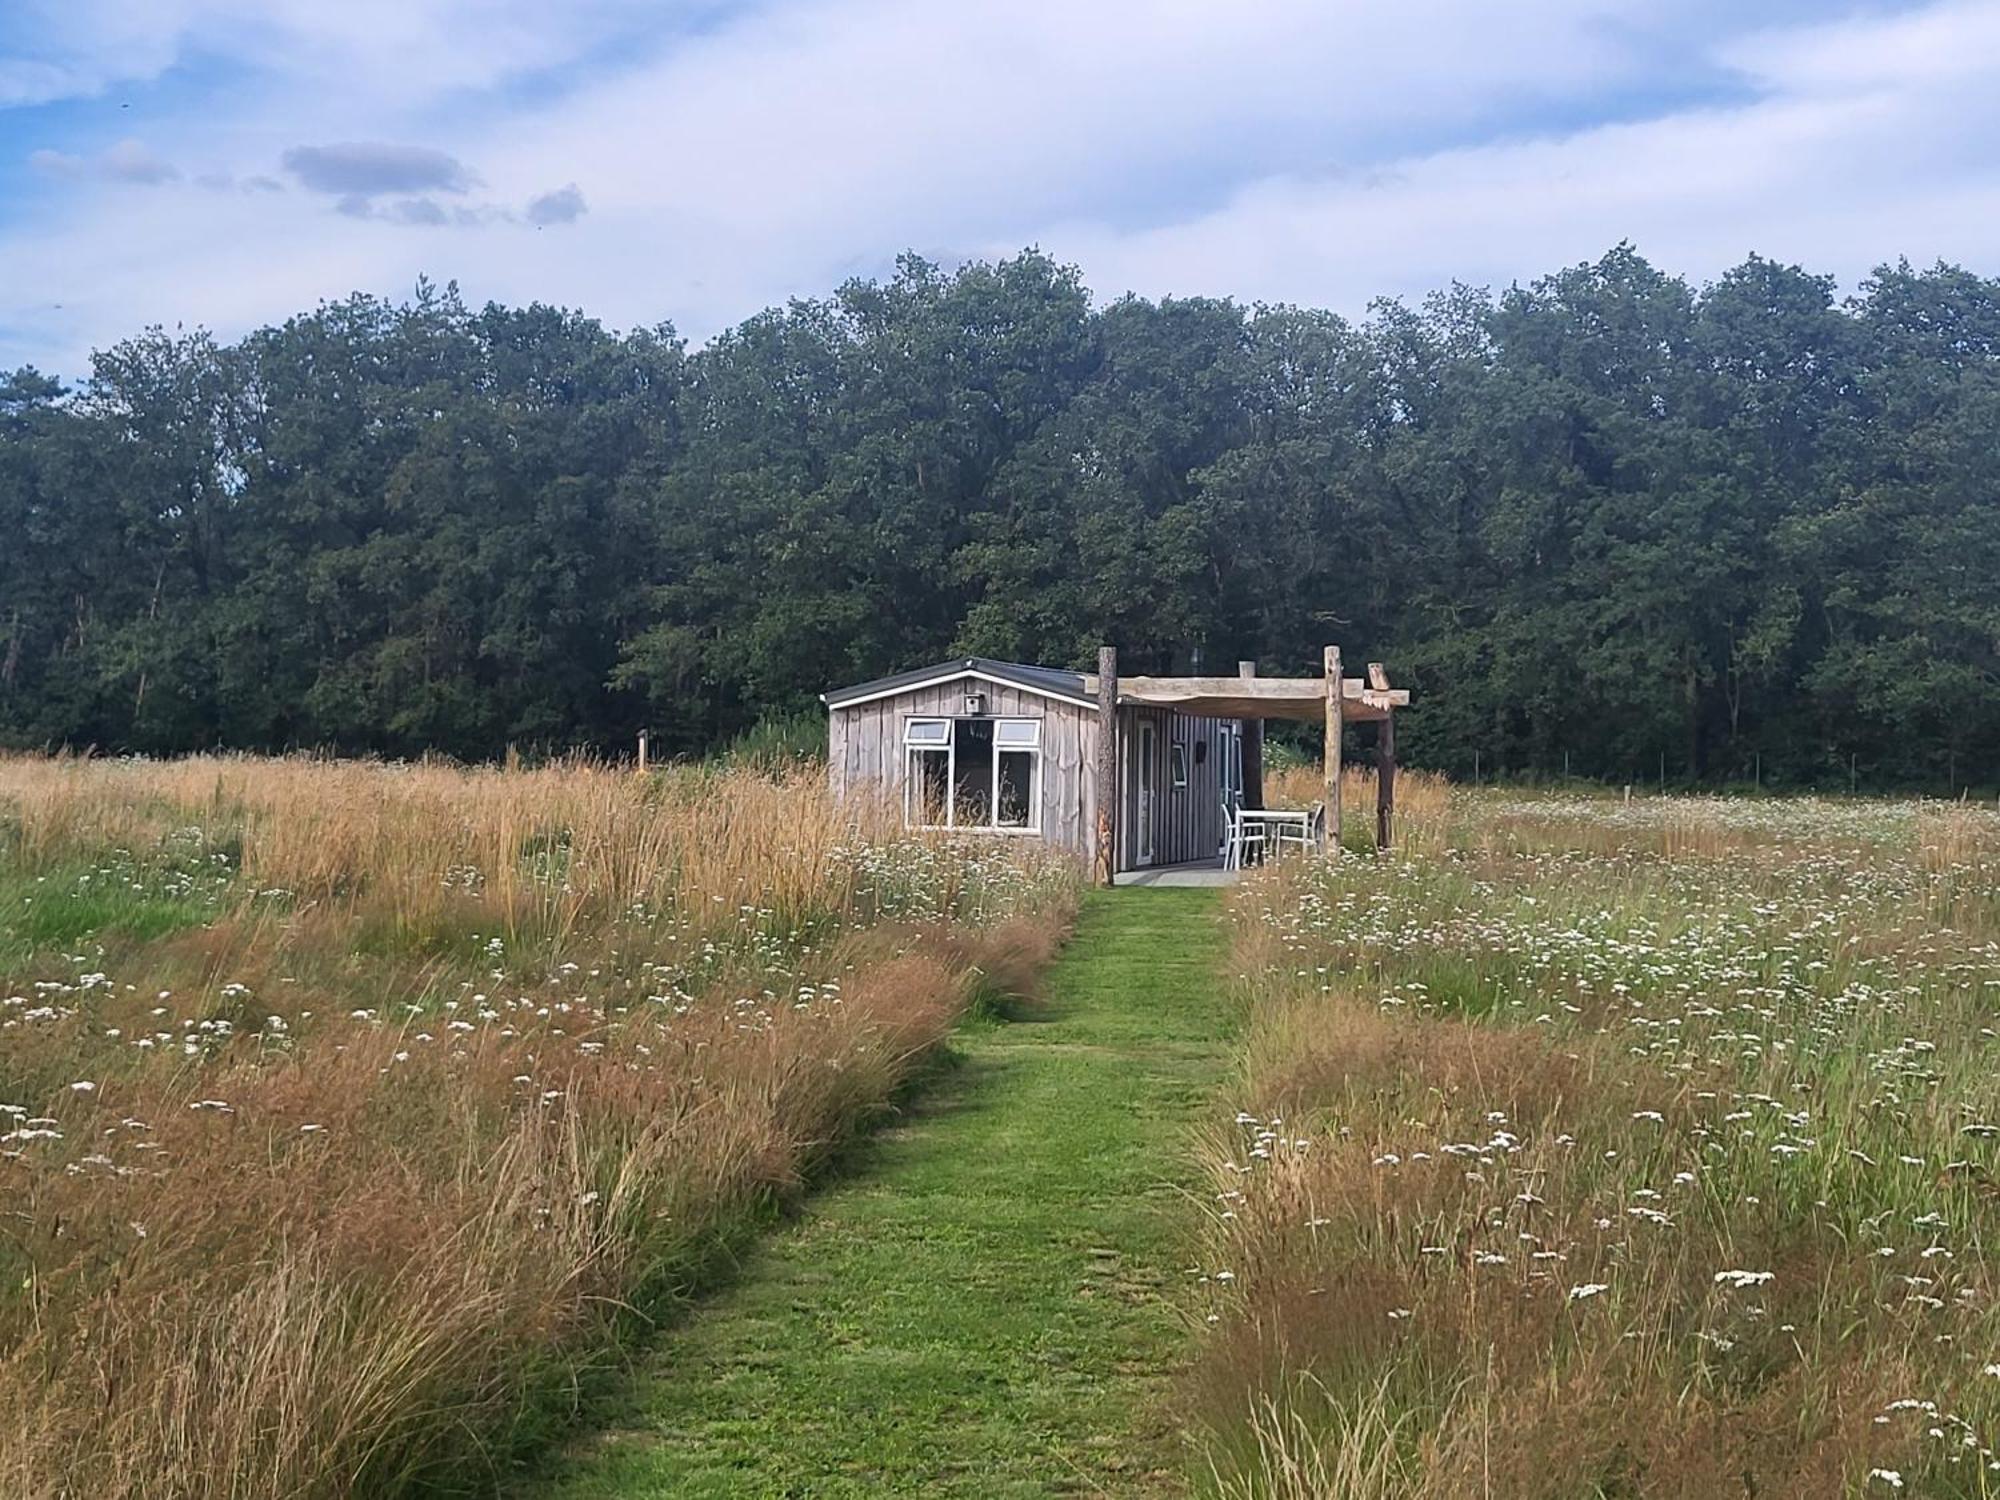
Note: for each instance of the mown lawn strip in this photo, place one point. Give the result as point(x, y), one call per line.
point(988, 1303)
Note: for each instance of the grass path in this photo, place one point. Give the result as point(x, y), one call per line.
point(987, 1303)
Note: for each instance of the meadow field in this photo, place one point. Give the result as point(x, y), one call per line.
point(352, 1114)
point(1587, 1147)
point(359, 1121)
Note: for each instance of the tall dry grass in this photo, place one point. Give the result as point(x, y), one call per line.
point(1616, 1150)
point(408, 838)
point(1422, 811)
point(380, 1103)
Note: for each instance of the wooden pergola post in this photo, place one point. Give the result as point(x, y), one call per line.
point(1333, 715)
point(1385, 760)
point(1106, 851)
point(1253, 750)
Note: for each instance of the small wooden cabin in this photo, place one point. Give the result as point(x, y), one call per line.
point(1021, 751)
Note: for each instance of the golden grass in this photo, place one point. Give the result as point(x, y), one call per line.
point(337, 1189)
point(1423, 800)
point(1616, 1150)
point(406, 838)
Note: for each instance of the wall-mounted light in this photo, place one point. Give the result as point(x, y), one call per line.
point(975, 705)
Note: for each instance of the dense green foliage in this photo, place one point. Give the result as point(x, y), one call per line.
point(1607, 521)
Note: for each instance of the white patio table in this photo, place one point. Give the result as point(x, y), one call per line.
point(1283, 825)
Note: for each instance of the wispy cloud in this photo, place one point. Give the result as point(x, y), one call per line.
point(394, 184)
point(1277, 149)
point(126, 161)
point(1859, 143)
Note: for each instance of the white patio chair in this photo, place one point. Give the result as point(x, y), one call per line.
point(1305, 834)
point(1243, 833)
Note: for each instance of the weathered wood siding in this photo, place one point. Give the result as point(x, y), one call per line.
point(1187, 821)
point(865, 748)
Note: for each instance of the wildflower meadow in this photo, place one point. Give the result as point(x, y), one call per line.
point(1596, 1146)
point(352, 1114)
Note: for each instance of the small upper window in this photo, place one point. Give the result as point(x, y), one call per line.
point(1018, 733)
point(928, 732)
point(1180, 766)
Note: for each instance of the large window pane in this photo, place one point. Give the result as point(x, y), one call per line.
point(972, 773)
point(928, 789)
point(972, 798)
point(1017, 789)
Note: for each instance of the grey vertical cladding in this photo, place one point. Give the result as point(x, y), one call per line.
point(1187, 821)
point(865, 747)
point(1129, 774)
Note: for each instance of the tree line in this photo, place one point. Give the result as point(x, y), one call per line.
point(1609, 523)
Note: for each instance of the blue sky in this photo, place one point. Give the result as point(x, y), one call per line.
point(229, 162)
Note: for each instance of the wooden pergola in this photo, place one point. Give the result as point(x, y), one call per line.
point(1331, 699)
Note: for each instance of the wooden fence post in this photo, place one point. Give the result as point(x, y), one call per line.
point(1334, 709)
point(1385, 779)
point(1106, 851)
point(642, 752)
point(1253, 749)
point(1385, 760)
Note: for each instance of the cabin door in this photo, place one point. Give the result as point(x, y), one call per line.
point(1146, 780)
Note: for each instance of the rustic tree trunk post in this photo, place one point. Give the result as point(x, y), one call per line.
point(1106, 851)
point(1385, 758)
point(1385, 778)
point(1253, 749)
point(1333, 713)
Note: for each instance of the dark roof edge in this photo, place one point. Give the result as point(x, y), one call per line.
point(1049, 680)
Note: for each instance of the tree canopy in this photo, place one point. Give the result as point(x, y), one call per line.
point(1608, 522)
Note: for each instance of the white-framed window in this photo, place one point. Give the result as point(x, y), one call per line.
point(1017, 774)
point(973, 773)
point(928, 774)
point(1180, 766)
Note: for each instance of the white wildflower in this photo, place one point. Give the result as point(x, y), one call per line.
point(1742, 1279)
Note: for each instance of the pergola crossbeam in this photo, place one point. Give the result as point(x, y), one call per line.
point(1299, 698)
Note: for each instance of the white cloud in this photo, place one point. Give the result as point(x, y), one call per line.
point(133, 161)
point(1273, 149)
point(1958, 40)
point(1836, 165)
point(384, 51)
point(127, 161)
